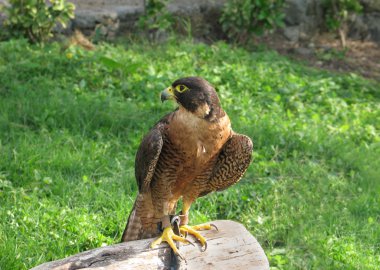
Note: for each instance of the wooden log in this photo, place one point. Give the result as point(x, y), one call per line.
point(232, 247)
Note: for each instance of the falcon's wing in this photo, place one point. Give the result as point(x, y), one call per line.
point(148, 154)
point(231, 164)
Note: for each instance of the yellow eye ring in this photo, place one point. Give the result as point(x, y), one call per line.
point(181, 88)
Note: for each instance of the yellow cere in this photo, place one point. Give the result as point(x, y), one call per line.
point(181, 88)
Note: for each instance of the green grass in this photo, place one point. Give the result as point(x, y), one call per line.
point(70, 124)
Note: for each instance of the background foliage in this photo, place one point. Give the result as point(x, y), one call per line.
point(35, 19)
point(242, 19)
point(337, 14)
point(156, 18)
point(70, 124)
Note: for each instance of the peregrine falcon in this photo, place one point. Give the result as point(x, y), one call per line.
point(189, 153)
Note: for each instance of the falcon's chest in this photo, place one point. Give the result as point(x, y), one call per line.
point(197, 139)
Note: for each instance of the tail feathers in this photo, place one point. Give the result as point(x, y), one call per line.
point(141, 222)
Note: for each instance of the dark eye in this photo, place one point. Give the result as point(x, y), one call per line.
point(181, 88)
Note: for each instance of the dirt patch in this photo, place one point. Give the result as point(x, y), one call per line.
point(325, 51)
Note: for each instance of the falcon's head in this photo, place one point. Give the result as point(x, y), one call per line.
point(196, 95)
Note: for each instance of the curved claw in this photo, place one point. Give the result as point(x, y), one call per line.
point(191, 243)
point(181, 256)
point(204, 247)
point(213, 225)
point(185, 229)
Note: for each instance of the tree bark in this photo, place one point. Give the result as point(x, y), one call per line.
point(232, 247)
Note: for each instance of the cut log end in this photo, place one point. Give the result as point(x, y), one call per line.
point(232, 247)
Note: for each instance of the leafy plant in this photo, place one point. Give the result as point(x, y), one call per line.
point(156, 17)
point(242, 18)
point(35, 19)
point(337, 14)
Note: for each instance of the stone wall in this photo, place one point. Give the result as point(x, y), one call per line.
point(367, 25)
point(119, 16)
point(304, 18)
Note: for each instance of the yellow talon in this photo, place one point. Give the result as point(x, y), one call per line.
point(203, 227)
point(184, 229)
point(168, 236)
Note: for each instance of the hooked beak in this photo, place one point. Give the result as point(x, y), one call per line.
point(167, 94)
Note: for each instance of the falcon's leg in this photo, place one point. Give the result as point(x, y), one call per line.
point(186, 229)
